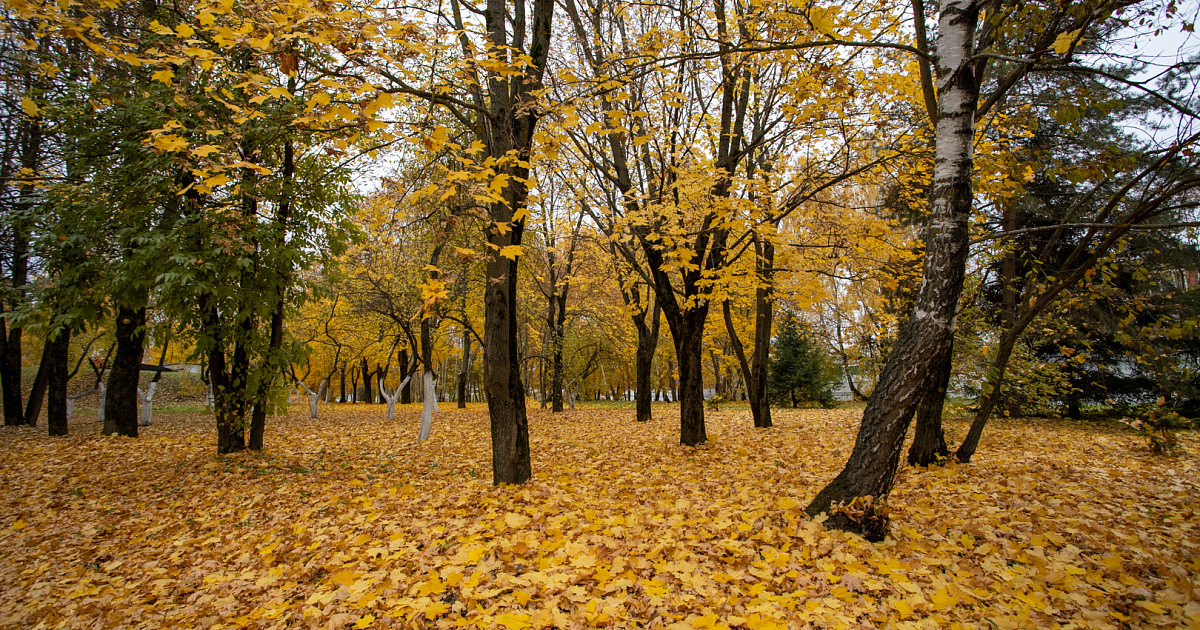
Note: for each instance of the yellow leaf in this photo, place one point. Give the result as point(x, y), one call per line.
point(216, 180)
point(903, 608)
point(170, 142)
point(205, 150)
point(31, 108)
point(163, 76)
point(942, 599)
point(344, 577)
point(19, 525)
point(184, 30)
point(514, 520)
point(432, 587)
point(511, 252)
point(365, 621)
point(1152, 607)
point(513, 621)
point(433, 608)
point(1063, 42)
point(704, 621)
point(160, 29)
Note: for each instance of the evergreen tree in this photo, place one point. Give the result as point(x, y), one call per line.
point(800, 372)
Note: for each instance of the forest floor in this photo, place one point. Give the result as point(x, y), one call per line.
point(348, 521)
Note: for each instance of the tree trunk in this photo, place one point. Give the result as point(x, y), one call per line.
point(691, 378)
point(465, 370)
point(342, 385)
point(121, 404)
point(58, 357)
point(30, 135)
point(929, 443)
point(755, 369)
point(366, 377)
point(764, 317)
point(10, 374)
point(147, 417)
point(647, 343)
point(502, 375)
point(556, 369)
point(855, 497)
point(37, 395)
point(405, 389)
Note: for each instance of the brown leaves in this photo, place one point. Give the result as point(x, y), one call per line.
point(349, 522)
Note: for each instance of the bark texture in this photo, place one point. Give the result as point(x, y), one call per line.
point(121, 397)
point(58, 374)
point(856, 498)
point(929, 443)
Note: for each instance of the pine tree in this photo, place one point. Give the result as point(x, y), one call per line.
point(800, 372)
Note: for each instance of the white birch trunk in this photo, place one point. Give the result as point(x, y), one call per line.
point(147, 398)
point(392, 397)
point(103, 397)
point(313, 398)
point(430, 406)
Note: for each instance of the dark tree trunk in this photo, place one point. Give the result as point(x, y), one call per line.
point(764, 316)
point(755, 369)
point(57, 357)
point(342, 384)
point(258, 415)
point(502, 375)
point(121, 402)
point(366, 377)
point(406, 391)
point(465, 370)
point(854, 497)
point(929, 443)
point(691, 378)
point(10, 374)
point(644, 361)
point(33, 407)
point(29, 140)
point(10, 359)
point(556, 357)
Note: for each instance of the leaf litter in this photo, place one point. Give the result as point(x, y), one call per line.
point(349, 522)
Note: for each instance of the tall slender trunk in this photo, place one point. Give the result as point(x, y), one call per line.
point(342, 384)
point(57, 357)
point(856, 494)
point(405, 390)
point(366, 376)
point(754, 369)
point(10, 358)
point(465, 370)
point(121, 400)
point(764, 319)
point(37, 395)
point(647, 343)
point(691, 377)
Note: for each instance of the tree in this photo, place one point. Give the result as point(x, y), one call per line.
point(973, 41)
point(800, 372)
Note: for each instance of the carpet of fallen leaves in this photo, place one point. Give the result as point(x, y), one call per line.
point(349, 522)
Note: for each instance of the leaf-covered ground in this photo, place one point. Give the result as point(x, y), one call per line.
point(348, 522)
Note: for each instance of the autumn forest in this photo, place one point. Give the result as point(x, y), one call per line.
point(519, 314)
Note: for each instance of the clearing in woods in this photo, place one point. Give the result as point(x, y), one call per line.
point(347, 521)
